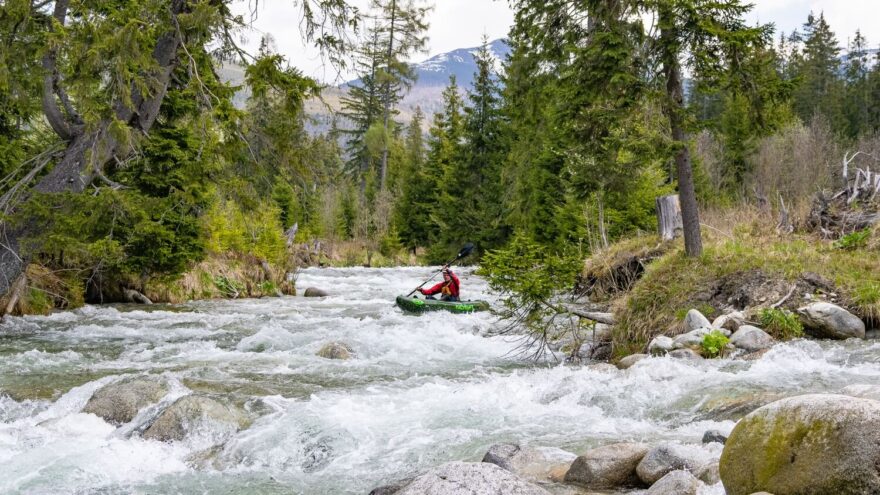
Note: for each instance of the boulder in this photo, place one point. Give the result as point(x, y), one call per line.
point(335, 350)
point(534, 463)
point(629, 361)
point(315, 292)
point(751, 339)
point(714, 436)
point(709, 474)
point(831, 321)
point(190, 413)
point(668, 457)
point(675, 483)
point(470, 478)
point(730, 321)
point(660, 345)
point(805, 444)
point(688, 354)
point(694, 320)
point(118, 403)
point(692, 339)
point(611, 466)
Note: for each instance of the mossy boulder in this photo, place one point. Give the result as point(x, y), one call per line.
point(810, 444)
point(118, 403)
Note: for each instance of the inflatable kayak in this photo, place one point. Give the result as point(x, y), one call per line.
point(416, 305)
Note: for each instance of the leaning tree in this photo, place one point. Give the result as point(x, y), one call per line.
point(94, 74)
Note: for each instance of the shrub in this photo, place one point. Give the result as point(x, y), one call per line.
point(713, 343)
point(781, 324)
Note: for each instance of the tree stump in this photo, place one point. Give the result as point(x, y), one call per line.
point(669, 221)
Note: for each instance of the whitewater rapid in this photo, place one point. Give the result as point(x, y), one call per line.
point(421, 390)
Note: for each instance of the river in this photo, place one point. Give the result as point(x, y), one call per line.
point(422, 390)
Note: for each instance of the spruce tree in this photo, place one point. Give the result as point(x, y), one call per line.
point(858, 96)
point(820, 88)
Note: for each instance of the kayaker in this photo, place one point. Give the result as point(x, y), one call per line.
point(448, 288)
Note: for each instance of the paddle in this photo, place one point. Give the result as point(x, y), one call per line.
point(466, 250)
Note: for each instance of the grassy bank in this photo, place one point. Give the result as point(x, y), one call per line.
point(745, 263)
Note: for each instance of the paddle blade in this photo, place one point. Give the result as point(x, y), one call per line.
point(466, 250)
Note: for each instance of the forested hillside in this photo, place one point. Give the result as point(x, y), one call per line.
point(128, 171)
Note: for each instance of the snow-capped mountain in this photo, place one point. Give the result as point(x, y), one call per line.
point(436, 70)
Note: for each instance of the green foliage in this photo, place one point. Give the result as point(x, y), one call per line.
point(229, 287)
point(530, 276)
point(854, 240)
point(780, 323)
point(258, 233)
point(713, 343)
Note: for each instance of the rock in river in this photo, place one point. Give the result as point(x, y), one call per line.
point(610, 466)
point(335, 350)
point(190, 413)
point(470, 478)
point(806, 444)
point(315, 292)
point(118, 403)
point(534, 463)
point(832, 321)
point(668, 457)
point(751, 339)
point(675, 483)
point(695, 321)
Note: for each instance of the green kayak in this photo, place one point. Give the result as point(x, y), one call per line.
point(416, 305)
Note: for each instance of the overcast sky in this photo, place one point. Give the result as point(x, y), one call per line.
point(462, 23)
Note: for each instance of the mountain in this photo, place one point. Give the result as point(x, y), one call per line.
point(432, 76)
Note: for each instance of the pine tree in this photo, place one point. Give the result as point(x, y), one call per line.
point(481, 216)
point(412, 218)
point(401, 32)
point(858, 96)
point(818, 69)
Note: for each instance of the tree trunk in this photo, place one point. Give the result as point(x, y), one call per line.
point(670, 44)
point(87, 151)
point(384, 170)
point(669, 223)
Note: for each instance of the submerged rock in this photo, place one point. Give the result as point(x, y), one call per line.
point(831, 321)
point(805, 444)
point(315, 292)
point(863, 390)
point(118, 403)
point(630, 360)
point(668, 457)
point(695, 321)
point(675, 483)
point(751, 339)
point(335, 350)
point(709, 474)
point(535, 463)
point(470, 478)
point(190, 413)
point(610, 466)
point(714, 436)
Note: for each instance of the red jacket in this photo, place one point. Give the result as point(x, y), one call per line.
point(449, 288)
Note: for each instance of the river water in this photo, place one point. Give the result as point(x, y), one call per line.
point(422, 390)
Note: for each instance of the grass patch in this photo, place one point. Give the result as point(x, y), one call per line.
point(675, 283)
point(780, 324)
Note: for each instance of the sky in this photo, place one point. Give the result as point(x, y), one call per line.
point(462, 24)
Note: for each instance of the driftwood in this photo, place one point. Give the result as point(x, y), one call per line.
point(669, 220)
point(598, 317)
point(854, 208)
